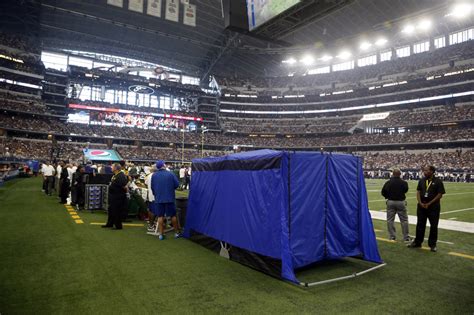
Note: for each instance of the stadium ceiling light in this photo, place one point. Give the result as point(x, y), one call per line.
point(344, 54)
point(424, 25)
point(408, 29)
point(365, 45)
point(460, 10)
point(307, 60)
point(325, 58)
point(289, 61)
point(381, 41)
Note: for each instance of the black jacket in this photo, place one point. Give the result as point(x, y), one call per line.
point(395, 189)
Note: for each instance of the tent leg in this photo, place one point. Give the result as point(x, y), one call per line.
point(312, 284)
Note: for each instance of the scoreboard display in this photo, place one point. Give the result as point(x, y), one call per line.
point(261, 11)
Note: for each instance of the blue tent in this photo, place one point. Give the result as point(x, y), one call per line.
point(280, 211)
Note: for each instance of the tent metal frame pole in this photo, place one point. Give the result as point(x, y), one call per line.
point(356, 274)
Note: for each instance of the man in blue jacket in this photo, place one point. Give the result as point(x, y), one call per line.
point(163, 185)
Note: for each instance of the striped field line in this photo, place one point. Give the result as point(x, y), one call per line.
point(427, 248)
point(461, 255)
point(74, 214)
point(460, 210)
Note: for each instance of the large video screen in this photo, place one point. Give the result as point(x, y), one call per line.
point(78, 118)
point(101, 155)
point(141, 121)
point(260, 11)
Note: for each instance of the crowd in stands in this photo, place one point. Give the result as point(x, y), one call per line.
point(22, 103)
point(327, 125)
point(403, 66)
point(347, 102)
point(21, 43)
point(45, 150)
point(48, 125)
point(444, 160)
point(71, 151)
point(437, 115)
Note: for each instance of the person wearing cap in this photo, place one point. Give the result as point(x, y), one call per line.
point(394, 191)
point(117, 198)
point(429, 192)
point(163, 185)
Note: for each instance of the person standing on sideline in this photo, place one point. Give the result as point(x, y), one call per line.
point(152, 205)
point(48, 175)
point(163, 185)
point(429, 192)
point(394, 191)
point(57, 185)
point(64, 183)
point(117, 198)
point(182, 177)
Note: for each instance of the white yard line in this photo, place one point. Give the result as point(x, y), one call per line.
point(460, 210)
point(452, 218)
point(447, 195)
point(443, 223)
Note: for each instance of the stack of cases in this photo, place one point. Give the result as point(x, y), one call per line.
point(94, 197)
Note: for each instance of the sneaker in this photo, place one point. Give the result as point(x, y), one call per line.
point(434, 249)
point(161, 237)
point(413, 245)
point(177, 235)
point(393, 238)
point(407, 240)
point(151, 228)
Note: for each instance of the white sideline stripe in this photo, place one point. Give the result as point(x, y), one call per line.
point(452, 218)
point(466, 209)
point(443, 223)
point(446, 195)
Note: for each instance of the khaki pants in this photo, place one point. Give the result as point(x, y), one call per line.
point(397, 207)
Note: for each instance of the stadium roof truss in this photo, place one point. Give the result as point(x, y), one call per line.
point(209, 48)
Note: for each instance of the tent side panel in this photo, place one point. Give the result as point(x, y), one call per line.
point(307, 224)
point(241, 208)
point(368, 242)
point(342, 229)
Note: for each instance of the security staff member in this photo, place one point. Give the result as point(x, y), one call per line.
point(394, 191)
point(117, 198)
point(429, 192)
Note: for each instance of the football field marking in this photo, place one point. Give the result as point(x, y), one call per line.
point(461, 255)
point(446, 195)
point(460, 210)
point(459, 226)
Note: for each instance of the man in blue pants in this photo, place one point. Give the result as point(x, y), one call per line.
point(163, 185)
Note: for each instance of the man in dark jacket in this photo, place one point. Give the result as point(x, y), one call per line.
point(429, 192)
point(64, 183)
point(117, 198)
point(163, 185)
point(78, 188)
point(394, 191)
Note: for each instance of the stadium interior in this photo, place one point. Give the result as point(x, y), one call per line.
point(389, 81)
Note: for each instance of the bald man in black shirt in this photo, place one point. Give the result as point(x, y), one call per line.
point(394, 191)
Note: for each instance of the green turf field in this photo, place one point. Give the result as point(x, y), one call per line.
point(50, 264)
point(459, 196)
